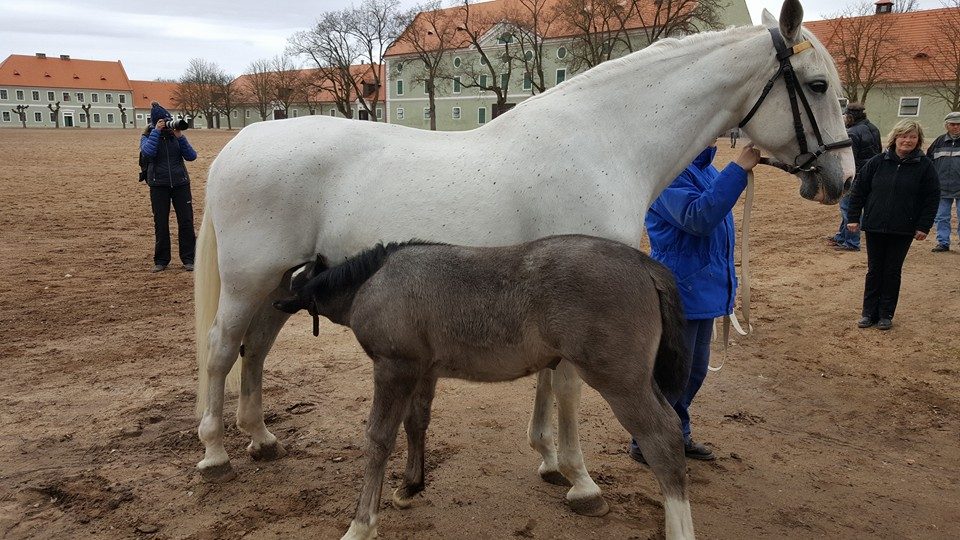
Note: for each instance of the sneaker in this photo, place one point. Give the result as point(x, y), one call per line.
point(695, 450)
point(884, 324)
point(844, 247)
point(832, 240)
point(188, 267)
point(636, 455)
point(158, 268)
point(940, 248)
point(865, 322)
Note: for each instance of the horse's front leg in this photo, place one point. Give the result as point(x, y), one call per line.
point(394, 384)
point(584, 497)
point(257, 342)
point(540, 430)
point(415, 424)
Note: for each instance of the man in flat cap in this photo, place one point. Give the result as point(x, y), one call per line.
point(945, 153)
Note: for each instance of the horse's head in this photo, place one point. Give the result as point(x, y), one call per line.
point(803, 126)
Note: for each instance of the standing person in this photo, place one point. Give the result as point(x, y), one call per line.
point(897, 193)
point(945, 153)
point(691, 231)
point(866, 144)
point(167, 149)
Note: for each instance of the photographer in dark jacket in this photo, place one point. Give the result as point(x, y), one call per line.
point(897, 193)
point(166, 149)
point(866, 144)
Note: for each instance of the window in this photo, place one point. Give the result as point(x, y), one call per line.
point(562, 53)
point(246, 114)
point(399, 67)
point(53, 97)
point(19, 95)
point(505, 37)
point(296, 113)
point(35, 95)
point(95, 98)
point(456, 113)
point(109, 118)
point(83, 117)
point(505, 81)
point(3, 94)
point(400, 87)
point(38, 117)
point(140, 116)
point(527, 81)
point(528, 56)
point(561, 75)
point(426, 88)
point(53, 117)
point(236, 113)
point(80, 96)
point(909, 106)
point(482, 115)
point(379, 113)
point(457, 62)
point(6, 116)
point(843, 103)
point(333, 112)
point(109, 98)
point(482, 81)
point(483, 60)
point(123, 98)
point(426, 113)
point(456, 84)
point(399, 113)
point(66, 96)
point(96, 118)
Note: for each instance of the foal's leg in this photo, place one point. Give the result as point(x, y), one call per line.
point(415, 424)
point(540, 430)
point(584, 497)
point(257, 342)
point(394, 385)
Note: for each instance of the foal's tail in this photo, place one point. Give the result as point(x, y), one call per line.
point(672, 367)
point(206, 298)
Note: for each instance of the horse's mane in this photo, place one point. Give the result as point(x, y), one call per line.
point(356, 270)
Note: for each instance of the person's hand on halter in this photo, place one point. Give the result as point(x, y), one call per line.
point(853, 227)
point(749, 157)
point(920, 235)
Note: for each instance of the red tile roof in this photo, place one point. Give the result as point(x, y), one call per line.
point(914, 36)
point(361, 72)
point(55, 72)
point(145, 92)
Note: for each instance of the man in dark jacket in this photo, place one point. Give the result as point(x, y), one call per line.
point(945, 153)
point(866, 144)
point(166, 150)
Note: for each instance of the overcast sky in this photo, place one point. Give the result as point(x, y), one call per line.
point(157, 39)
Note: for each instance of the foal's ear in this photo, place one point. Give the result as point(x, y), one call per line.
point(791, 17)
point(768, 20)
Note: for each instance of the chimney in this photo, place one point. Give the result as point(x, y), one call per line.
point(884, 6)
point(64, 56)
point(41, 55)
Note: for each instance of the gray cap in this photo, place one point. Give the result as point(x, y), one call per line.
point(952, 118)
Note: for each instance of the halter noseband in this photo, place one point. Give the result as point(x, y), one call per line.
point(804, 160)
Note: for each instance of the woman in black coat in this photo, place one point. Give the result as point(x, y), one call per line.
point(897, 194)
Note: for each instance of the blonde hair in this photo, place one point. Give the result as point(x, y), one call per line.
point(904, 127)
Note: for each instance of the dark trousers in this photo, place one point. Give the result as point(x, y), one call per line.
point(160, 198)
point(881, 290)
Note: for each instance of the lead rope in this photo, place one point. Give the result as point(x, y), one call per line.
point(731, 319)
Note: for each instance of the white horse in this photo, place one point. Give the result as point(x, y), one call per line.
point(588, 156)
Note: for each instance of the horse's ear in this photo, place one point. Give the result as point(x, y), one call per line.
point(768, 20)
point(791, 17)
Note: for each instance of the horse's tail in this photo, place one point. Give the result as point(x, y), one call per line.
point(206, 298)
point(672, 367)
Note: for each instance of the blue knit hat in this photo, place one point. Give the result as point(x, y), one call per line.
point(158, 113)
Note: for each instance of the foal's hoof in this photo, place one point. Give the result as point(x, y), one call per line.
point(403, 496)
point(266, 452)
point(593, 506)
point(555, 478)
point(218, 474)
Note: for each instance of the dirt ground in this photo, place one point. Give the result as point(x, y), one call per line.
point(822, 430)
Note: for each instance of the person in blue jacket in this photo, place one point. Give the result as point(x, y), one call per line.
point(165, 151)
point(690, 226)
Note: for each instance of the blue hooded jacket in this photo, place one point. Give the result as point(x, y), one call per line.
point(691, 231)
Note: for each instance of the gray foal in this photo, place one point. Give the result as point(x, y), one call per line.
point(423, 311)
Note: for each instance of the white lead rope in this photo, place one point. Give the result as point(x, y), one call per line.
point(744, 280)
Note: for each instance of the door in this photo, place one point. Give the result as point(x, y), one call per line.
point(67, 119)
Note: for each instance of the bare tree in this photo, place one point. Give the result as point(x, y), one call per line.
point(940, 64)
point(226, 96)
point(666, 18)
point(533, 20)
point(195, 92)
point(310, 90)
point(375, 24)
point(260, 86)
point(86, 112)
point(864, 48)
point(287, 84)
point(599, 27)
point(55, 109)
point(123, 115)
point(430, 34)
point(21, 111)
point(495, 70)
point(903, 6)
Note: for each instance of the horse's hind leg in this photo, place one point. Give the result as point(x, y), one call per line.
point(415, 424)
point(394, 385)
point(584, 497)
point(257, 342)
point(540, 430)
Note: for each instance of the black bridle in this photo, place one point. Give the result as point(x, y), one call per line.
point(805, 159)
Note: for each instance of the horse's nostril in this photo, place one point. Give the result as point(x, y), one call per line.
point(847, 183)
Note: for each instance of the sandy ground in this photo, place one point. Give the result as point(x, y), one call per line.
point(822, 430)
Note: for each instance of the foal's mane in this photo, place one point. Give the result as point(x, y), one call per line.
point(354, 271)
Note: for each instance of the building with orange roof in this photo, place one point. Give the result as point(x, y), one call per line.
point(463, 97)
point(146, 92)
point(921, 60)
point(64, 92)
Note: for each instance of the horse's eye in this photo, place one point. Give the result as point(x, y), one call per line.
point(818, 86)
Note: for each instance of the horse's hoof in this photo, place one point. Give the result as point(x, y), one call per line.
point(267, 452)
point(555, 478)
point(403, 496)
point(593, 506)
point(360, 532)
point(218, 474)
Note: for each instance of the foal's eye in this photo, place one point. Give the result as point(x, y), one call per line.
point(818, 86)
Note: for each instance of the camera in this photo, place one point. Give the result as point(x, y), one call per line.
point(179, 124)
